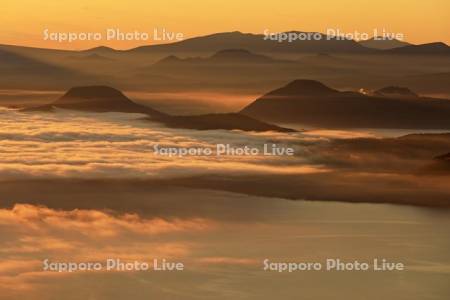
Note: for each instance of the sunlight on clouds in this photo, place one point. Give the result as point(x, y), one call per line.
point(114, 145)
point(92, 223)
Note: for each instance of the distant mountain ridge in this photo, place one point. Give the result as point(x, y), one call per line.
point(226, 56)
point(437, 48)
point(90, 57)
point(255, 43)
point(240, 55)
point(382, 43)
point(260, 44)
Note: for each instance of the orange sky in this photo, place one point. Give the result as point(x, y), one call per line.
point(23, 21)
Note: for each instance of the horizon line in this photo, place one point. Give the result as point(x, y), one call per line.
point(174, 42)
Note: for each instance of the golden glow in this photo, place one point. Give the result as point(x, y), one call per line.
point(23, 21)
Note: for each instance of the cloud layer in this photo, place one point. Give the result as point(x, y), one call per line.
point(115, 145)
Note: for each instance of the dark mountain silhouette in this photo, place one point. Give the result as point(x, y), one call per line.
point(107, 99)
point(171, 59)
point(98, 99)
point(395, 91)
point(309, 102)
point(91, 57)
point(383, 43)
point(227, 56)
point(306, 87)
point(258, 44)
point(240, 56)
point(430, 48)
point(101, 50)
point(255, 43)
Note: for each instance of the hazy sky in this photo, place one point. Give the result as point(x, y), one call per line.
point(24, 21)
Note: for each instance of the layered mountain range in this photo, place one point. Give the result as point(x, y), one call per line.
point(229, 60)
point(263, 44)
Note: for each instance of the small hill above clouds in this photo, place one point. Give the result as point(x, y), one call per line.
point(311, 103)
point(383, 44)
point(303, 87)
point(239, 56)
point(97, 99)
point(107, 99)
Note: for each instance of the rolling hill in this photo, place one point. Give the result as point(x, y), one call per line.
point(309, 102)
point(383, 44)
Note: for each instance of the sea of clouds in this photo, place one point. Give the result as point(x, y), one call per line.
point(115, 145)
